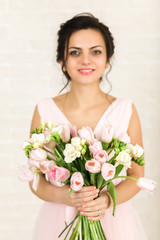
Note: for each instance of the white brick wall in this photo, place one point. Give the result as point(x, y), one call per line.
point(28, 72)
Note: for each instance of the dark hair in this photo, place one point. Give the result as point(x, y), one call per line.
point(79, 22)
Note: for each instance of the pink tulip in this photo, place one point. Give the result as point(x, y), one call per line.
point(38, 154)
point(49, 146)
point(108, 171)
point(73, 131)
point(101, 157)
point(26, 174)
point(77, 181)
point(95, 147)
point(33, 163)
point(106, 133)
point(58, 174)
point(66, 133)
point(146, 184)
point(93, 166)
point(87, 133)
point(46, 166)
point(124, 137)
point(35, 182)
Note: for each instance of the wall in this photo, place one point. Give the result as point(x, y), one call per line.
point(29, 72)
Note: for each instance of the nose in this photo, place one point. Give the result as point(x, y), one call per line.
point(85, 59)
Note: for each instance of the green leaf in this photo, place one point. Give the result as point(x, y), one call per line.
point(118, 169)
point(29, 147)
point(104, 145)
point(93, 179)
point(100, 181)
point(116, 143)
point(74, 169)
point(112, 191)
point(122, 148)
point(27, 153)
point(86, 179)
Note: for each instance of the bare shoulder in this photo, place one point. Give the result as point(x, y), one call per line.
point(110, 98)
point(60, 99)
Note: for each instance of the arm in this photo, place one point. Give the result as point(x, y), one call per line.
point(48, 192)
point(126, 189)
point(136, 171)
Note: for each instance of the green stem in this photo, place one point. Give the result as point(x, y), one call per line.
point(100, 226)
point(87, 227)
point(48, 151)
point(84, 229)
point(93, 231)
point(57, 153)
point(76, 231)
point(135, 179)
point(98, 230)
point(71, 223)
point(106, 182)
point(80, 227)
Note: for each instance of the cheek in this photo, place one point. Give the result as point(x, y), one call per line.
point(70, 65)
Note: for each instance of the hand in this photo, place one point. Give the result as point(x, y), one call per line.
point(79, 198)
point(95, 209)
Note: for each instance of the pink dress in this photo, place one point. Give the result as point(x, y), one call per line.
point(126, 224)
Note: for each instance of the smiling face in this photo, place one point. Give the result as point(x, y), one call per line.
point(87, 58)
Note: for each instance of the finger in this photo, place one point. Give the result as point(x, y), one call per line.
point(82, 195)
point(95, 218)
point(95, 202)
point(81, 201)
point(87, 189)
point(94, 208)
point(93, 214)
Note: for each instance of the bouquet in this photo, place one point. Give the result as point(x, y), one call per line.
point(67, 156)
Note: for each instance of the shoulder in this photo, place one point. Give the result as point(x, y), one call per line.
point(60, 98)
point(119, 100)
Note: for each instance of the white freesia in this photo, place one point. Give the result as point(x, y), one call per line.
point(43, 125)
point(48, 138)
point(39, 140)
point(76, 142)
point(70, 153)
point(57, 129)
point(124, 158)
point(50, 125)
point(25, 144)
point(130, 147)
point(137, 151)
point(83, 141)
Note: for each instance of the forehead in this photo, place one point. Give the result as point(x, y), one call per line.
point(86, 37)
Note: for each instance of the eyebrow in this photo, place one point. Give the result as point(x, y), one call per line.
point(81, 48)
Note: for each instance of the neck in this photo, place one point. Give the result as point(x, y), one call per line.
point(85, 96)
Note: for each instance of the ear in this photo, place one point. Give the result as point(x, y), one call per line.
point(107, 65)
point(63, 67)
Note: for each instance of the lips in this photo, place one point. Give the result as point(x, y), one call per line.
point(86, 71)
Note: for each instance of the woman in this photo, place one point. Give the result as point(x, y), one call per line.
point(85, 48)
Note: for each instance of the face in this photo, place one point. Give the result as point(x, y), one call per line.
point(87, 59)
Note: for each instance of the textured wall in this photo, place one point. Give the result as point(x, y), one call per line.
point(28, 72)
